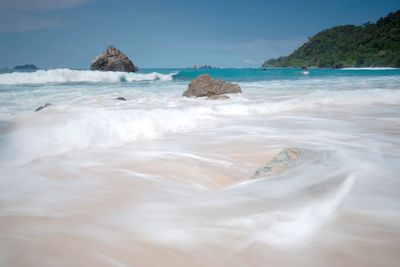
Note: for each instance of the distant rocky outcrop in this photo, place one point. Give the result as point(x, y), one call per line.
point(204, 85)
point(279, 163)
point(121, 98)
point(26, 67)
point(204, 67)
point(113, 60)
point(42, 107)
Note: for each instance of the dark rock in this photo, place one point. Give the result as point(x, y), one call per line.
point(218, 97)
point(121, 98)
point(204, 85)
point(26, 67)
point(113, 60)
point(303, 67)
point(205, 67)
point(279, 163)
point(337, 66)
point(42, 107)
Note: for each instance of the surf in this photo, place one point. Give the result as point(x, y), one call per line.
point(78, 76)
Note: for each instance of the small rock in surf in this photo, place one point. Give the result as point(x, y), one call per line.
point(42, 107)
point(204, 85)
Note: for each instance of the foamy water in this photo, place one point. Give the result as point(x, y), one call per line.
point(74, 76)
point(164, 180)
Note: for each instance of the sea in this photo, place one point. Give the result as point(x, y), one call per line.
point(165, 180)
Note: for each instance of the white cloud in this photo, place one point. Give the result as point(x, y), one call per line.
point(26, 15)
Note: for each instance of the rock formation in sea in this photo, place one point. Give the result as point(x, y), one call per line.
point(26, 67)
point(121, 98)
point(204, 67)
point(113, 60)
point(280, 162)
point(204, 85)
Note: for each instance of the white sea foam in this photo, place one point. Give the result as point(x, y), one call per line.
point(57, 131)
point(62, 128)
point(370, 68)
point(297, 227)
point(74, 76)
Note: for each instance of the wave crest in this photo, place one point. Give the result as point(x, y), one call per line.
point(75, 76)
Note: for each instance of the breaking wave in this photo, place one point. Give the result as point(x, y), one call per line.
point(62, 128)
point(78, 76)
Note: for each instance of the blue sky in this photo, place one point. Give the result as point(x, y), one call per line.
point(174, 33)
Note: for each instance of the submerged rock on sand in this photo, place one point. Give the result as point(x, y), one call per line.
point(279, 163)
point(204, 85)
point(113, 60)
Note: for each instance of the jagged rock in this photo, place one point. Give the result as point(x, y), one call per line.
point(113, 60)
point(42, 107)
point(218, 97)
point(121, 98)
point(280, 162)
point(204, 85)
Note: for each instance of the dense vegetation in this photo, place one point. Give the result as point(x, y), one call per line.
point(370, 45)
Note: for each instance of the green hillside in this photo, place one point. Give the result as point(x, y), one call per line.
point(370, 45)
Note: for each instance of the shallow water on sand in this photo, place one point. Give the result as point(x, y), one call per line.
point(164, 180)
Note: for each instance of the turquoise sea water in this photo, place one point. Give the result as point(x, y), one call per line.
point(282, 73)
point(258, 74)
point(161, 178)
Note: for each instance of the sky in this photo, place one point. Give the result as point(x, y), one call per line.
point(170, 33)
